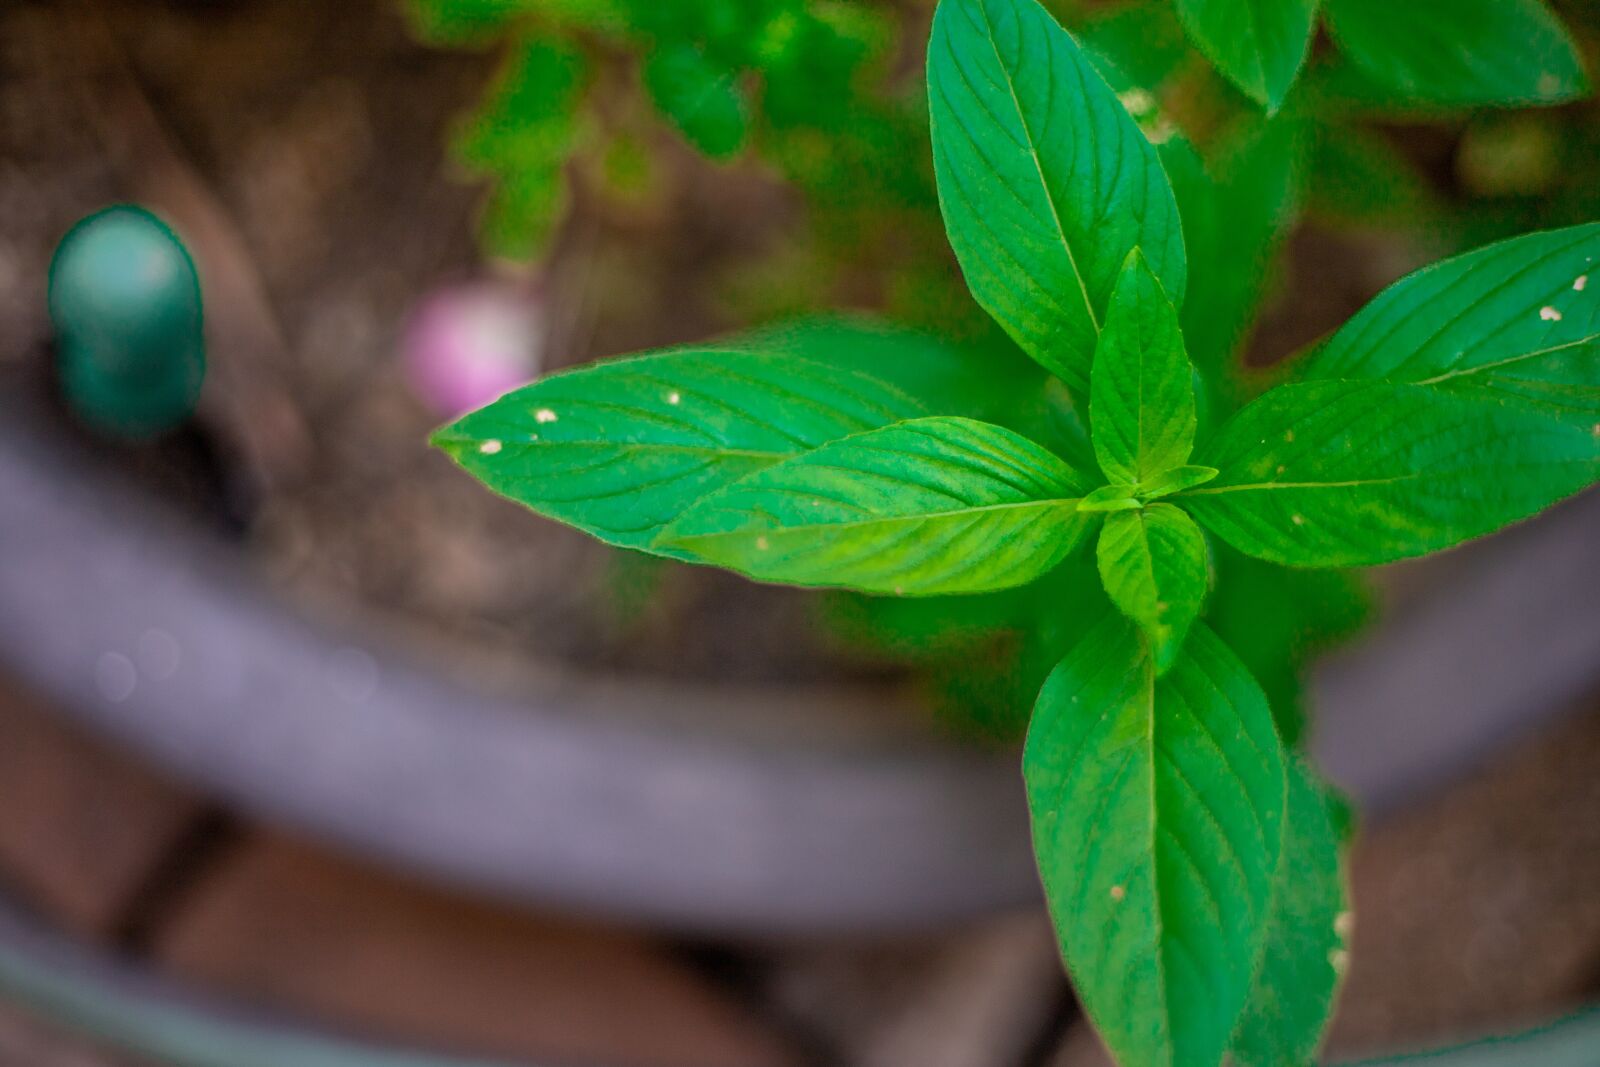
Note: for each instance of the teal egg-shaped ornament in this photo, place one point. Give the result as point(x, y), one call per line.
point(125, 302)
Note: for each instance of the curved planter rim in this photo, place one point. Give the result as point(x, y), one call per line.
point(700, 808)
point(133, 1011)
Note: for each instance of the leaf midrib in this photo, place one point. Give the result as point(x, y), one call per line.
point(1159, 911)
point(1038, 164)
point(1255, 486)
point(1509, 361)
point(781, 531)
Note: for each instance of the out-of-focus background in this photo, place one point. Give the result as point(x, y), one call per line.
point(313, 751)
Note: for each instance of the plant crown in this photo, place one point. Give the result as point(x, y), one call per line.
point(1190, 858)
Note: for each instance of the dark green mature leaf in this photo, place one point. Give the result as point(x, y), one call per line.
point(1157, 819)
point(701, 99)
point(936, 505)
point(1460, 52)
point(1359, 177)
point(1045, 182)
point(1153, 564)
point(1276, 619)
point(1136, 46)
point(1353, 473)
point(463, 21)
point(1305, 952)
point(1519, 319)
point(1236, 223)
point(1259, 45)
point(620, 448)
point(1141, 388)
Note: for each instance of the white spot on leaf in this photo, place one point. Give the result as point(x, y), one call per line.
point(1580, 283)
point(544, 415)
point(490, 447)
point(1137, 101)
point(1118, 893)
point(1298, 520)
point(674, 397)
point(1549, 314)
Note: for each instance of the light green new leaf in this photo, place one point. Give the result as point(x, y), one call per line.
point(1175, 481)
point(1305, 952)
point(702, 100)
point(1259, 45)
point(1045, 181)
point(1354, 473)
point(1124, 497)
point(1519, 319)
point(1141, 388)
point(1157, 820)
point(1460, 53)
point(937, 505)
point(1153, 564)
point(620, 448)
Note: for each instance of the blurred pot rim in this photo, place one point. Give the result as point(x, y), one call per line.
point(720, 810)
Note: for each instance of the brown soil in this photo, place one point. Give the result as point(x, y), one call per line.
point(316, 134)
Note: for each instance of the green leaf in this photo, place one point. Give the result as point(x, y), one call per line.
point(1153, 564)
point(702, 99)
point(1259, 45)
point(521, 135)
point(1354, 473)
point(1236, 224)
point(463, 21)
point(1135, 46)
point(1141, 388)
point(1359, 177)
point(1305, 952)
point(1519, 319)
point(937, 505)
point(1124, 497)
point(1045, 182)
point(1175, 481)
point(1157, 819)
point(998, 385)
point(1460, 53)
point(620, 448)
point(1276, 619)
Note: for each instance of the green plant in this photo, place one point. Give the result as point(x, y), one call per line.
point(1190, 857)
point(804, 87)
point(1432, 52)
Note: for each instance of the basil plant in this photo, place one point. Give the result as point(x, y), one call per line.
point(1190, 857)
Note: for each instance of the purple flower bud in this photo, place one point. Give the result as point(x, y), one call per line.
point(467, 344)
